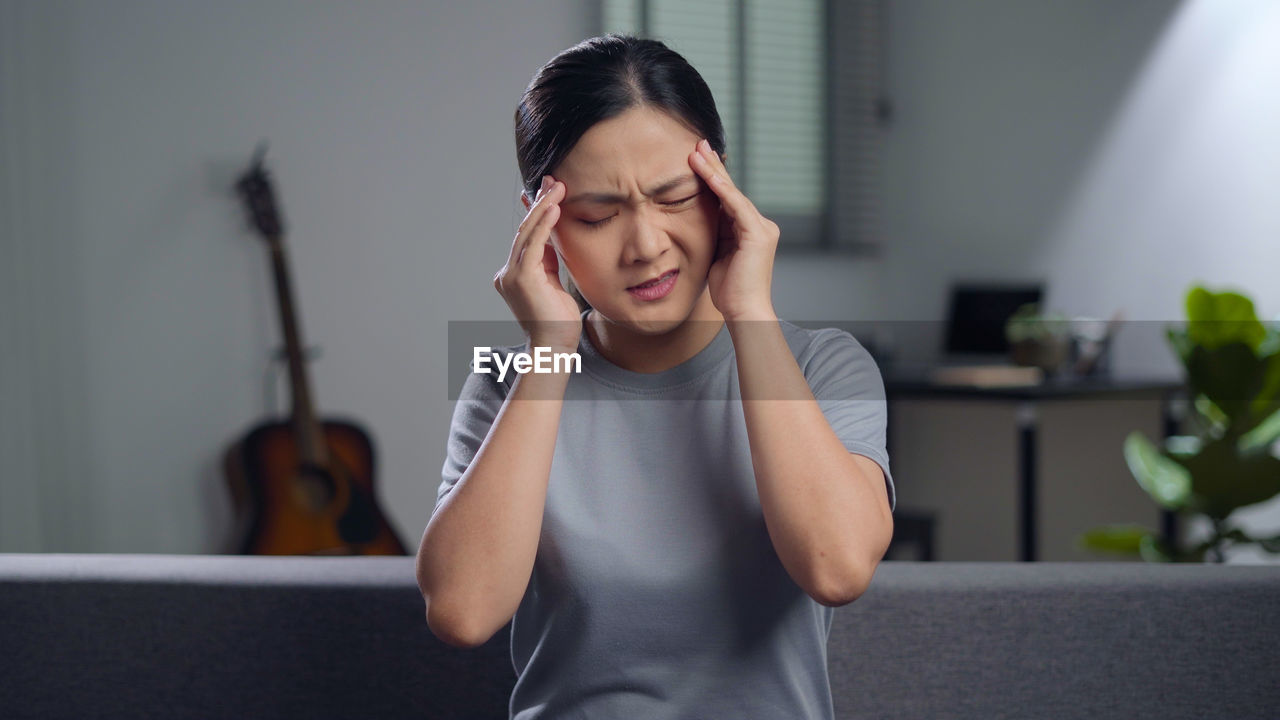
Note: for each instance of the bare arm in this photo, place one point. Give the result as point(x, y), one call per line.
point(826, 509)
point(477, 553)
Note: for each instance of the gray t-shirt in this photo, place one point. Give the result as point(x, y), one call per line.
point(656, 592)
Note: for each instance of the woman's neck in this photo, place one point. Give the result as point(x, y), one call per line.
point(642, 353)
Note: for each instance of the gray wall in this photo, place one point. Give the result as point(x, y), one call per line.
point(1121, 150)
point(391, 140)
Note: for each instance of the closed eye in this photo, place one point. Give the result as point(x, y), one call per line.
point(602, 221)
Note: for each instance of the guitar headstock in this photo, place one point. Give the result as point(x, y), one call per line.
point(259, 198)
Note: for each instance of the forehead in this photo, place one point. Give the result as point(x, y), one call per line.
point(633, 150)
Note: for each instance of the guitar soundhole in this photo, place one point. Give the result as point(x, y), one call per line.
point(315, 488)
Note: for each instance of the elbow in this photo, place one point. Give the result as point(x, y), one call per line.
point(842, 587)
point(849, 581)
point(844, 580)
point(838, 598)
point(447, 635)
point(448, 625)
point(450, 617)
point(453, 629)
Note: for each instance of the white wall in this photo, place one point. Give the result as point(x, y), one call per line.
point(1121, 151)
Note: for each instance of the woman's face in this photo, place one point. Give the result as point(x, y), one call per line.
point(633, 211)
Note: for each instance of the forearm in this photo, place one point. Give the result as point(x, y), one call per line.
point(478, 550)
point(824, 517)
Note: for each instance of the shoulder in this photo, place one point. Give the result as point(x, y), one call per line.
point(833, 361)
point(808, 344)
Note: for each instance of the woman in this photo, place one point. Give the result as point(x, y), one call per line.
point(665, 540)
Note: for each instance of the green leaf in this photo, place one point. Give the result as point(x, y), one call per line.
point(1166, 481)
point(1182, 446)
point(1125, 539)
point(1028, 323)
point(1268, 399)
point(1217, 319)
point(1224, 479)
point(1230, 375)
point(1217, 419)
point(1262, 436)
point(1180, 343)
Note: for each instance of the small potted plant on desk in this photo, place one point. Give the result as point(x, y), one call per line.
point(1038, 340)
point(1232, 363)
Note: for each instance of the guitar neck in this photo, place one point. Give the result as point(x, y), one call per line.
point(306, 426)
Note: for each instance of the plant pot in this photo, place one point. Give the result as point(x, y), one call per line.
point(1048, 354)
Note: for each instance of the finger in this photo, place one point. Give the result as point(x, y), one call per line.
point(707, 163)
point(536, 210)
point(711, 165)
point(551, 264)
point(531, 256)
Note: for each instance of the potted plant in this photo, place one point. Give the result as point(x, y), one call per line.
point(1038, 339)
point(1232, 363)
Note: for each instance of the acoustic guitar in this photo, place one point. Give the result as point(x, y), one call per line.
point(300, 485)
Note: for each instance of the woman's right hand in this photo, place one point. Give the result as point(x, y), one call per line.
point(530, 281)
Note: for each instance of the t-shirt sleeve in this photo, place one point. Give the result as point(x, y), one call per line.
point(479, 401)
point(847, 384)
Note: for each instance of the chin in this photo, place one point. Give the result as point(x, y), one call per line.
point(646, 326)
point(649, 320)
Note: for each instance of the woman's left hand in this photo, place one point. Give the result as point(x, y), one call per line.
point(742, 270)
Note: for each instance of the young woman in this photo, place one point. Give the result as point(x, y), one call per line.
point(670, 529)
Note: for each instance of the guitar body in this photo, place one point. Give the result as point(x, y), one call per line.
point(285, 506)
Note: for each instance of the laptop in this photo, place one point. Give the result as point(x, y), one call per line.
point(975, 349)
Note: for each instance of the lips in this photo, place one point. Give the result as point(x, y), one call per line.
point(654, 281)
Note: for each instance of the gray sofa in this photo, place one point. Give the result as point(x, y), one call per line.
point(171, 636)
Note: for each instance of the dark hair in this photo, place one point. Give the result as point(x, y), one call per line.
point(595, 80)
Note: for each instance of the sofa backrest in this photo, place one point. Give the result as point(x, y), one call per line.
point(164, 636)
point(1088, 640)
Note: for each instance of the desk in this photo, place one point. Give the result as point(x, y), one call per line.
point(900, 383)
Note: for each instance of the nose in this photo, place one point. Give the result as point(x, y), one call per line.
point(646, 241)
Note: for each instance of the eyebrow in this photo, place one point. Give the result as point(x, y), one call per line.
point(606, 198)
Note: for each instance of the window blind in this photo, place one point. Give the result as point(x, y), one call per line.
point(858, 121)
